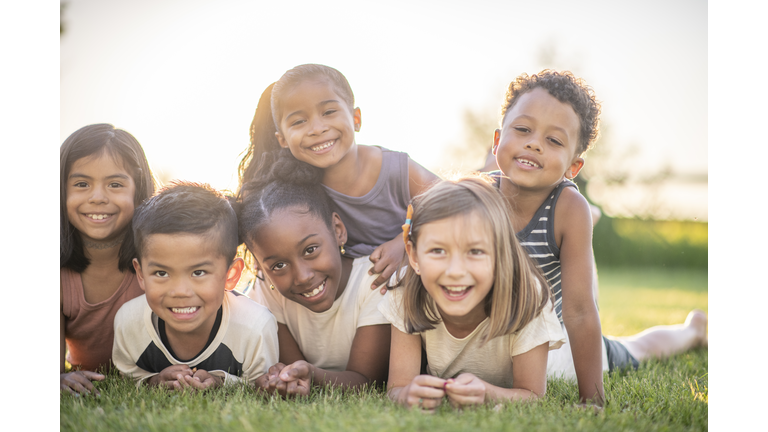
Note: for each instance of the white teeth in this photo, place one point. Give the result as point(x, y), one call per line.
point(456, 289)
point(529, 163)
point(185, 310)
point(323, 145)
point(97, 216)
point(315, 291)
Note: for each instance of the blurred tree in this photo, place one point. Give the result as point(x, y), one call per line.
point(62, 6)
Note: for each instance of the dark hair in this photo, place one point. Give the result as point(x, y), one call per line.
point(263, 140)
point(290, 183)
point(189, 208)
point(519, 291)
point(305, 72)
point(567, 89)
point(90, 141)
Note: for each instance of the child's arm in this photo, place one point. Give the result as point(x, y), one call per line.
point(529, 378)
point(367, 363)
point(405, 386)
point(78, 381)
point(388, 257)
point(580, 315)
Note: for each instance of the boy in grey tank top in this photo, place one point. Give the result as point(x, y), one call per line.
point(549, 120)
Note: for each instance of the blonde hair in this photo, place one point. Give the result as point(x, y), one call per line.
point(519, 291)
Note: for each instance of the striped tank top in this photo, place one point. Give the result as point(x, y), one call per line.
point(538, 238)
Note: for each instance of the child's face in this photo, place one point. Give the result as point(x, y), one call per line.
point(185, 278)
point(300, 256)
point(100, 196)
point(537, 143)
point(316, 124)
point(455, 259)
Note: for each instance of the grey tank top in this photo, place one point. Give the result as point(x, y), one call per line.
point(538, 239)
point(376, 217)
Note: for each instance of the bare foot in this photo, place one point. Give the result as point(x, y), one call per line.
point(698, 320)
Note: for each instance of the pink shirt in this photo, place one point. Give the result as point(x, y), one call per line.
point(89, 328)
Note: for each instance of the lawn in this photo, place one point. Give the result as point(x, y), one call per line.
point(666, 395)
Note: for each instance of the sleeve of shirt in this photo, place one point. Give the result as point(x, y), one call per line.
point(130, 340)
point(368, 301)
point(545, 328)
point(266, 349)
point(252, 338)
point(391, 307)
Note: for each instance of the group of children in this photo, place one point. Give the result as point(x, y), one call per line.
point(487, 279)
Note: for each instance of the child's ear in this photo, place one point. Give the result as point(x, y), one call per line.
point(574, 169)
point(357, 118)
point(412, 259)
point(233, 274)
point(496, 138)
point(339, 229)
point(281, 140)
point(139, 276)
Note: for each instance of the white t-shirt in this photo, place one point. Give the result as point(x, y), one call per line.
point(325, 338)
point(448, 356)
point(244, 347)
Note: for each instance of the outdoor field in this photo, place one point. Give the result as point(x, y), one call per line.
point(668, 395)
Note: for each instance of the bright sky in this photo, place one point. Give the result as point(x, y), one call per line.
point(184, 77)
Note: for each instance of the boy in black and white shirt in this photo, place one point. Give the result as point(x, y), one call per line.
point(190, 329)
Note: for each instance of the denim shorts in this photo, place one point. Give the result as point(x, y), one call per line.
point(618, 355)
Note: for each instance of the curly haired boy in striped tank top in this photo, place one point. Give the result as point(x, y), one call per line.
point(549, 121)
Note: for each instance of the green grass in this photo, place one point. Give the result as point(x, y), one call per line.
point(667, 395)
point(632, 300)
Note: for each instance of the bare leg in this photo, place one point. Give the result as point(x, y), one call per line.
point(665, 341)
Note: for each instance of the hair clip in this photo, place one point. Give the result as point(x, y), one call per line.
point(407, 224)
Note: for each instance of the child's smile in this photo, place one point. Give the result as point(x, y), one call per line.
point(185, 279)
point(316, 124)
point(100, 196)
point(454, 257)
point(536, 146)
point(300, 257)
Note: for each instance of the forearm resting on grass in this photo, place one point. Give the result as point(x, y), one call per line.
point(585, 337)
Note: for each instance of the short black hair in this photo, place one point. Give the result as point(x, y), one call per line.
point(566, 88)
point(189, 208)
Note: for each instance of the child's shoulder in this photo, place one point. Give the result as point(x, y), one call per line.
point(135, 306)
point(359, 280)
point(572, 212)
point(129, 319)
point(243, 308)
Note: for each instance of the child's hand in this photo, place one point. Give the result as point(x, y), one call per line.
point(425, 392)
point(270, 381)
point(386, 259)
point(201, 380)
point(465, 389)
point(172, 377)
point(292, 380)
point(80, 382)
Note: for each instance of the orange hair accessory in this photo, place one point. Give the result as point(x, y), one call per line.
point(407, 224)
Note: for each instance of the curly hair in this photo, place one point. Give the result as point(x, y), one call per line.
point(566, 88)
